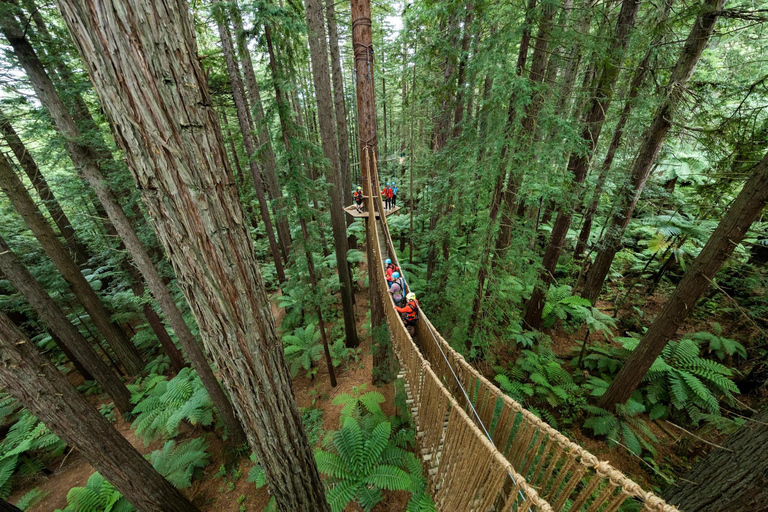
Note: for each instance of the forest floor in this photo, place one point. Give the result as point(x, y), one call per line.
point(223, 486)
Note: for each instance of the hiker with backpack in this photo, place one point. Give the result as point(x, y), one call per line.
point(397, 288)
point(410, 313)
point(359, 199)
point(394, 194)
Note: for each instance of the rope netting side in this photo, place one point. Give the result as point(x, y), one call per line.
point(464, 470)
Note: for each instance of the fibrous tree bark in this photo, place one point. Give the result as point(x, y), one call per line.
point(748, 205)
point(176, 154)
point(322, 80)
point(733, 476)
point(29, 166)
point(246, 126)
point(53, 247)
point(362, 41)
point(36, 383)
point(652, 139)
point(579, 162)
point(50, 313)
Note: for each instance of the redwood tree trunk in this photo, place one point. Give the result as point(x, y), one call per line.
point(579, 162)
point(652, 139)
point(745, 209)
point(267, 155)
point(22, 202)
point(246, 125)
point(322, 81)
point(176, 154)
point(50, 313)
point(77, 250)
point(732, 477)
point(36, 383)
point(340, 106)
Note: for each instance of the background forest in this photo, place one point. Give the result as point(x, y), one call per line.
point(582, 190)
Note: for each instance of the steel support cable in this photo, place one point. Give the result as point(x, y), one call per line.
point(388, 241)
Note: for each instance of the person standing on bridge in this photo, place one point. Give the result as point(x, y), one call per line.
point(359, 199)
point(410, 313)
point(390, 269)
point(397, 289)
point(387, 195)
point(394, 195)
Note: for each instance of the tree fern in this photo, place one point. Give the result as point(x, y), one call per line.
point(357, 403)
point(178, 463)
point(161, 405)
point(98, 495)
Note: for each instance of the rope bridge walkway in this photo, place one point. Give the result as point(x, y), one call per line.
point(482, 450)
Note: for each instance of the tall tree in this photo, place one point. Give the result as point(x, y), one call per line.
point(340, 105)
point(579, 162)
point(698, 38)
point(50, 313)
point(53, 247)
point(29, 166)
point(733, 476)
point(266, 154)
point(748, 205)
point(322, 81)
point(187, 186)
point(246, 126)
point(36, 383)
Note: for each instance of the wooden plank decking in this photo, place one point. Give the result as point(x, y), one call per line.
point(351, 210)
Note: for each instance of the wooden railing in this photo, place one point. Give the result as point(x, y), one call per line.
point(483, 450)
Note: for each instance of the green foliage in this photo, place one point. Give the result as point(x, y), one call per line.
point(256, 475)
point(161, 405)
point(689, 383)
point(303, 349)
point(179, 463)
point(98, 495)
point(625, 426)
point(362, 465)
point(312, 420)
point(722, 347)
point(27, 447)
point(358, 403)
point(31, 499)
point(561, 305)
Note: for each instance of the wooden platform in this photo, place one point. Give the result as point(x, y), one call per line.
point(351, 210)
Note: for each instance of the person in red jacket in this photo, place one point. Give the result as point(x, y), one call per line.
point(410, 313)
point(359, 199)
point(387, 195)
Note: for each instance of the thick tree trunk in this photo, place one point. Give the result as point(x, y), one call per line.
point(176, 154)
point(77, 250)
point(246, 126)
point(17, 193)
point(362, 39)
point(37, 384)
point(579, 162)
point(322, 81)
point(62, 329)
point(652, 139)
point(266, 154)
point(732, 477)
point(8, 507)
point(340, 106)
point(618, 133)
point(746, 208)
point(458, 111)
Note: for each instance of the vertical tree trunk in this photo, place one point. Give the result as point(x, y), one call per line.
point(618, 132)
point(578, 163)
point(77, 250)
point(50, 313)
point(362, 39)
point(743, 212)
point(267, 155)
point(246, 123)
point(17, 193)
point(731, 477)
point(37, 384)
point(340, 105)
point(187, 186)
point(652, 139)
point(458, 112)
point(322, 82)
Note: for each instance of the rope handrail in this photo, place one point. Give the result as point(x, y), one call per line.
point(538, 456)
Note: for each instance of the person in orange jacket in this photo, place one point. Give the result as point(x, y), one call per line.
point(359, 199)
point(410, 313)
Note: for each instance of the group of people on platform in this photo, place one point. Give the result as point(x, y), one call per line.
point(405, 304)
point(388, 194)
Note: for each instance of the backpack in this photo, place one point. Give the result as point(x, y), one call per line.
point(412, 316)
